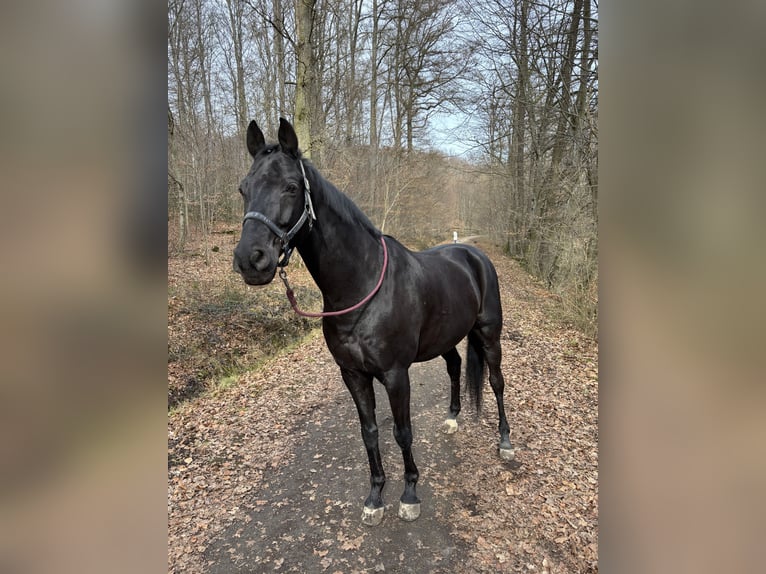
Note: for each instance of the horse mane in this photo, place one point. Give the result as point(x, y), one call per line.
point(337, 201)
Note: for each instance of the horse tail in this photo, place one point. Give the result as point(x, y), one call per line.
point(474, 369)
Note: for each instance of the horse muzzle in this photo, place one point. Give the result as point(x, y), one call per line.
point(256, 266)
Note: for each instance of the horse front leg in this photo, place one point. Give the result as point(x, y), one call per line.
point(360, 386)
point(397, 383)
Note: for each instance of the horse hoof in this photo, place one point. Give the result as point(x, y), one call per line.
point(372, 516)
point(449, 426)
point(507, 453)
point(409, 512)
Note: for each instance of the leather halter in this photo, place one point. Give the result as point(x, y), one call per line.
point(286, 237)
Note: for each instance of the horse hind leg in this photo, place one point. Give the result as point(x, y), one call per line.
point(452, 358)
point(493, 357)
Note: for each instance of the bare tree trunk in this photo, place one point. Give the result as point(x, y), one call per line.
point(519, 214)
point(279, 49)
point(202, 57)
point(183, 214)
point(565, 112)
point(585, 127)
point(410, 112)
point(175, 26)
point(373, 172)
point(235, 11)
point(354, 16)
point(582, 89)
point(182, 206)
point(544, 259)
point(305, 89)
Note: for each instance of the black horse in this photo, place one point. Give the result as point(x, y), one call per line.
point(385, 307)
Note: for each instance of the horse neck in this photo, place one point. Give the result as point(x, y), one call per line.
point(343, 256)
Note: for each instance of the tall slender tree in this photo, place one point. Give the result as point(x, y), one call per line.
point(305, 80)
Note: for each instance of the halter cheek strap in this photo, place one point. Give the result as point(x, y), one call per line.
point(286, 237)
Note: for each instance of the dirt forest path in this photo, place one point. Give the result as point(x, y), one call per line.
point(309, 517)
point(270, 474)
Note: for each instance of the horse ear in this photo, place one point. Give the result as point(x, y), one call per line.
point(287, 137)
point(255, 139)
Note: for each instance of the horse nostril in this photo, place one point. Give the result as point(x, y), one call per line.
point(259, 260)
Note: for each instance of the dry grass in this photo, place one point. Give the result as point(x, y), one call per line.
point(217, 325)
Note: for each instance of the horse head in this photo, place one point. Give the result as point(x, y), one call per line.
point(277, 204)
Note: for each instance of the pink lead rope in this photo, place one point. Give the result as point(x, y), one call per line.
point(294, 303)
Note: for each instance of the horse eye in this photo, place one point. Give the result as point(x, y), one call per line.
point(292, 188)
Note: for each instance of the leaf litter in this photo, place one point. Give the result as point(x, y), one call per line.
point(232, 451)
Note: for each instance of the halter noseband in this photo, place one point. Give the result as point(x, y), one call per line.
point(287, 236)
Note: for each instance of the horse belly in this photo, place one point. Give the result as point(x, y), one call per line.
point(444, 328)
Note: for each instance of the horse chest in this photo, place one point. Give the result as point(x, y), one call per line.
point(367, 351)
